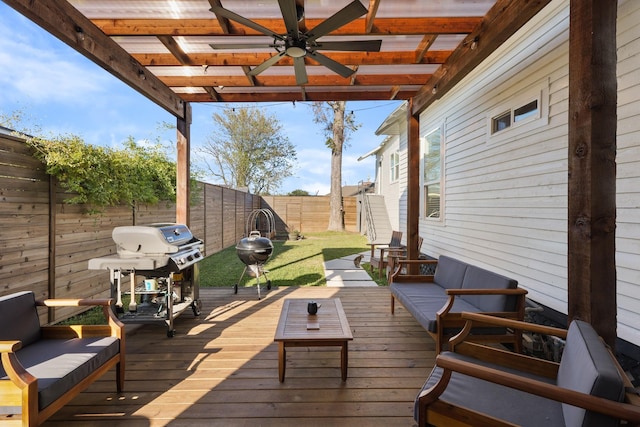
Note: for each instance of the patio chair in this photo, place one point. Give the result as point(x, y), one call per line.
point(480, 385)
point(396, 254)
point(380, 262)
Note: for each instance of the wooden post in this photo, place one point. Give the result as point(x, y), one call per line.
point(183, 166)
point(413, 182)
point(592, 167)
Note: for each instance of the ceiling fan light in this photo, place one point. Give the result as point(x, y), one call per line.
point(296, 51)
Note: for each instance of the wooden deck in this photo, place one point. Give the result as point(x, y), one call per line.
point(221, 369)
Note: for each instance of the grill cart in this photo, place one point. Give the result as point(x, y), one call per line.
point(166, 256)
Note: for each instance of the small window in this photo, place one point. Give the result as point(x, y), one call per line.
point(526, 111)
point(520, 114)
point(501, 122)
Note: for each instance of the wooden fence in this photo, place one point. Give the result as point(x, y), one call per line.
point(45, 244)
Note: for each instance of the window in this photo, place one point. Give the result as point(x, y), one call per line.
point(432, 172)
point(394, 165)
point(519, 114)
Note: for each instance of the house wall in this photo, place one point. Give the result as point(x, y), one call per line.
point(394, 192)
point(505, 199)
point(384, 185)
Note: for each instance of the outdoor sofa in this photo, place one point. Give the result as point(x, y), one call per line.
point(44, 367)
point(437, 299)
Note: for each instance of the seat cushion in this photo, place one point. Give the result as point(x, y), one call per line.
point(495, 400)
point(19, 310)
point(587, 366)
point(59, 364)
point(450, 272)
point(423, 300)
point(478, 278)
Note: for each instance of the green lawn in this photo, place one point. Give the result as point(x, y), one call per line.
point(293, 262)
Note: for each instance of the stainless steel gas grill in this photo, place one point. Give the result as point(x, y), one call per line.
point(161, 262)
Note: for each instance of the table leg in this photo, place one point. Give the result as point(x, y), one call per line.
point(282, 359)
point(344, 360)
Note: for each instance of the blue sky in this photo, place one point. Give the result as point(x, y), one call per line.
point(62, 92)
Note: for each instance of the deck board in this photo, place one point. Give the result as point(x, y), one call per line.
point(221, 369)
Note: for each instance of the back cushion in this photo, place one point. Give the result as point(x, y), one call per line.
point(19, 318)
point(449, 272)
point(587, 367)
point(478, 278)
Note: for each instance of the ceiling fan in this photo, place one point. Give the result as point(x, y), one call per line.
point(297, 44)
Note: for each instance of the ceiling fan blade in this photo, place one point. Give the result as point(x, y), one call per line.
point(334, 66)
point(352, 11)
point(300, 70)
point(221, 11)
point(266, 64)
point(240, 45)
point(288, 9)
point(355, 45)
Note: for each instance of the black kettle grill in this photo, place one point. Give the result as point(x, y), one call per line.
point(254, 251)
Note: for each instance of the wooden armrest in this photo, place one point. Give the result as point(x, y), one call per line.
point(514, 324)
point(397, 276)
point(17, 374)
point(68, 302)
point(10, 346)
point(418, 261)
point(517, 291)
point(115, 326)
point(592, 403)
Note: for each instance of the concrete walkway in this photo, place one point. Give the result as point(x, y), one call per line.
point(342, 272)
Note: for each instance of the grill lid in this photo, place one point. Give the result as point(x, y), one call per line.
point(158, 239)
point(254, 250)
point(151, 247)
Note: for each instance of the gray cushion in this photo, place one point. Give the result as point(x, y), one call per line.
point(59, 364)
point(424, 300)
point(587, 367)
point(495, 400)
point(478, 278)
point(19, 318)
point(450, 272)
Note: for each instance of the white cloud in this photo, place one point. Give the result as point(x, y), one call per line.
point(42, 74)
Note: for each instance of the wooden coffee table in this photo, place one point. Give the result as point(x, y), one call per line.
point(296, 329)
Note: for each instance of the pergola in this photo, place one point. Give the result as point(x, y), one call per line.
point(162, 48)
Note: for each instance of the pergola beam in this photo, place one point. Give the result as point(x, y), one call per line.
point(501, 22)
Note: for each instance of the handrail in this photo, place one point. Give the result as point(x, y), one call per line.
point(366, 206)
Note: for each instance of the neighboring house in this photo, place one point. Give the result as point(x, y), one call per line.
point(388, 183)
point(494, 172)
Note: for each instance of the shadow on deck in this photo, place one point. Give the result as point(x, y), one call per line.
point(221, 369)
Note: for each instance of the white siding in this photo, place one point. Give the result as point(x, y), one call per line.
point(505, 202)
point(384, 185)
point(628, 171)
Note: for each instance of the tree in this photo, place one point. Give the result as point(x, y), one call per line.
point(337, 127)
point(298, 192)
point(101, 176)
point(248, 149)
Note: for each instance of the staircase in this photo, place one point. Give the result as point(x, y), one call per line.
point(377, 221)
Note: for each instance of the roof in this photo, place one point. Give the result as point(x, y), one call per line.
point(164, 48)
